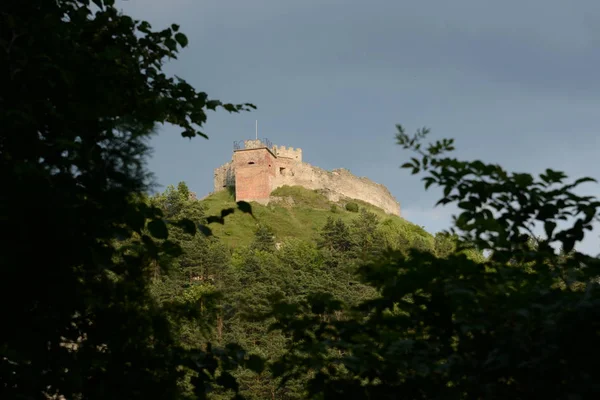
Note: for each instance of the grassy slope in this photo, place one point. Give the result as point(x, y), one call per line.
point(301, 220)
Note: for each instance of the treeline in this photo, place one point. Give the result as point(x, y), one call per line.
point(235, 288)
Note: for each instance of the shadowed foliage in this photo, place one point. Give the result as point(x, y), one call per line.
point(81, 90)
point(521, 323)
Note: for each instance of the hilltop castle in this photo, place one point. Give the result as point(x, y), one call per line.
point(258, 167)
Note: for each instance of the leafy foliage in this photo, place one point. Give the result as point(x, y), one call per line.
point(264, 239)
point(520, 323)
point(82, 89)
point(352, 207)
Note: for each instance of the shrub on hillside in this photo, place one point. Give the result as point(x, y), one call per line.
point(352, 207)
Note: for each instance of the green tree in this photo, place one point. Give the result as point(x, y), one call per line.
point(335, 236)
point(521, 323)
point(264, 239)
point(177, 203)
point(339, 246)
point(444, 245)
point(81, 91)
point(259, 279)
point(196, 276)
point(367, 239)
point(300, 255)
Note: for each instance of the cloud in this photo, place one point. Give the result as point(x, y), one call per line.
point(531, 45)
point(514, 82)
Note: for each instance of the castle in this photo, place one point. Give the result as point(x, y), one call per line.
point(258, 167)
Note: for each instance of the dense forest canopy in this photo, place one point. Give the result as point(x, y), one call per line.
point(108, 292)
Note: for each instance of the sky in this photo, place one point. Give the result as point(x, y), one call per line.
point(513, 82)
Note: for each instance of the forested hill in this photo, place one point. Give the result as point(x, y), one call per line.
point(298, 245)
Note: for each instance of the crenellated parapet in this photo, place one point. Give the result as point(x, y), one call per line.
point(288, 152)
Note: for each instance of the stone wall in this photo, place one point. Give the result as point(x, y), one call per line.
point(224, 177)
point(336, 184)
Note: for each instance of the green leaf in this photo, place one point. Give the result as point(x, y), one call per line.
point(255, 363)
point(144, 27)
point(158, 229)
point(227, 381)
point(428, 181)
point(466, 205)
point(215, 219)
point(548, 210)
point(227, 211)
point(171, 248)
point(244, 207)
point(150, 246)
point(583, 180)
point(136, 220)
point(213, 104)
point(229, 107)
point(463, 218)
point(523, 180)
point(205, 230)
point(181, 39)
point(187, 225)
point(590, 213)
point(278, 368)
point(171, 44)
point(552, 176)
point(568, 245)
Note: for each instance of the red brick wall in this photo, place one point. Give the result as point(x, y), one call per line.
point(253, 181)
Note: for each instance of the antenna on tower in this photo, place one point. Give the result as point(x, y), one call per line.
point(256, 129)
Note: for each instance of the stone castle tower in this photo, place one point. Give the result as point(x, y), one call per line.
point(258, 167)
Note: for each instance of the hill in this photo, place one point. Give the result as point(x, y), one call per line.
point(297, 212)
point(318, 248)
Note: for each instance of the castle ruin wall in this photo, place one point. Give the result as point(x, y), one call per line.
point(256, 171)
point(336, 184)
point(224, 177)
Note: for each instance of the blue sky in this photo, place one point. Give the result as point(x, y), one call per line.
point(514, 82)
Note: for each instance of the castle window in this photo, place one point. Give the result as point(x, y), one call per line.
point(251, 162)
point(281, 170)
